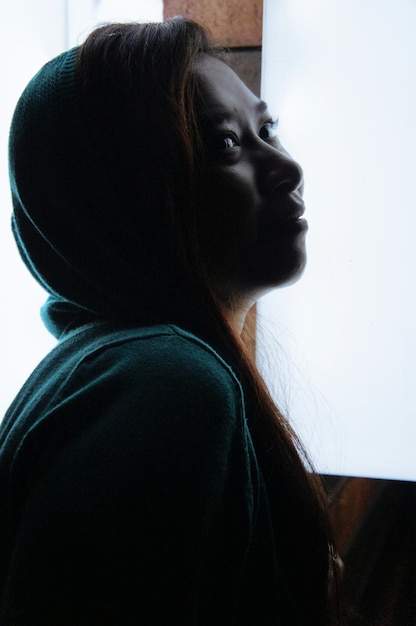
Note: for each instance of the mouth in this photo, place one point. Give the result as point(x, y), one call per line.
point(284, 212)
point(292, 209)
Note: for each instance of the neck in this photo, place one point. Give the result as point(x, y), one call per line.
point(237, 313)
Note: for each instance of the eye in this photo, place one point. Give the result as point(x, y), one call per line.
point(269, 130)
point(226, 141)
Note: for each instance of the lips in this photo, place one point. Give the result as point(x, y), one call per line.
point(284, 210)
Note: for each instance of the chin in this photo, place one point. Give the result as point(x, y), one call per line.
point(278, 281)
point(285, 269)
point(295, 273)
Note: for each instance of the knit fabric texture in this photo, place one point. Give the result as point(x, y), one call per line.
point(68, 218)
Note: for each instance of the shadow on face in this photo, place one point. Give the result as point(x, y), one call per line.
point(252, 232)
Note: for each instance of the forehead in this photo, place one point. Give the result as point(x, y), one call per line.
point(221, 89)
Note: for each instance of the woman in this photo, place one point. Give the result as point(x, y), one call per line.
point(146, 476)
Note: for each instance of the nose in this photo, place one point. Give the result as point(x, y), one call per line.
point(279, 172)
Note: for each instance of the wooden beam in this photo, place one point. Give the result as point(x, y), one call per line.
point(233, 23)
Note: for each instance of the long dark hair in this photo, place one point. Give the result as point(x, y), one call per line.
point(139, 96)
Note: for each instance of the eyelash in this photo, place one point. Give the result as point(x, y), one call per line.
point(230, 136)
point(272, 124)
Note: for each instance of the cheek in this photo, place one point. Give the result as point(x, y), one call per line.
point(229, 204)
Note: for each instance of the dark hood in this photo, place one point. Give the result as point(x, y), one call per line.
point(69, 218)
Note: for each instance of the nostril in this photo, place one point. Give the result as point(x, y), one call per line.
point(288, 177)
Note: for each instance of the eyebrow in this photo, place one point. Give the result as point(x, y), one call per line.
point(219, 115)
point(262, 106)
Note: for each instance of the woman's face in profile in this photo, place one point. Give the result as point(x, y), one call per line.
point(250, 201)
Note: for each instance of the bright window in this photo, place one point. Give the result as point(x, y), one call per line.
point(341, 76)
